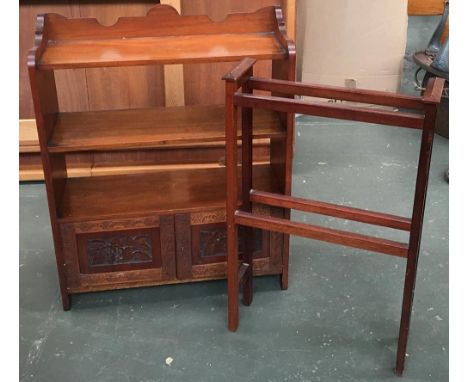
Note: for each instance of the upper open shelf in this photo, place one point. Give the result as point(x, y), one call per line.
point(158, 127)
point(163, 36)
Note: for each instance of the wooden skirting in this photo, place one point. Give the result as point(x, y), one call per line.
point(428, 8)
point(30, 165)
point(425, 7)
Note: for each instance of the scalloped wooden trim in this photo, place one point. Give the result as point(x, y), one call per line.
point(161, 20)
point(281, 33)
point(40, 42)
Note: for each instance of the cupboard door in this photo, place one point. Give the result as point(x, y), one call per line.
point(201, 247)
point(209, 243)
point(119, 253)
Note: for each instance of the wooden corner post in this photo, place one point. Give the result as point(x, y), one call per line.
point(236, 79)
point(45, 101)
point(432, 94)
point(282, 150)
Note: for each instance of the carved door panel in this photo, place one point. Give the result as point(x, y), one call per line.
point(209, 243)
point(119, 251)
point(201, 247)
point(131, 252)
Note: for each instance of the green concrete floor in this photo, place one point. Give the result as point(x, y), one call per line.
point(338, 321)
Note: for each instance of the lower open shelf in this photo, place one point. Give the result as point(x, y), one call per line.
point(161, 192)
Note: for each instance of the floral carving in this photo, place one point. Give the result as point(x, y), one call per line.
point(213, 242)
point(119, 249)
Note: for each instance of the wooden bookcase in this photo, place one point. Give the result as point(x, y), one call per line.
point(166, 224)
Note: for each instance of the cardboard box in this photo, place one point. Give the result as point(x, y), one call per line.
point(352, 43)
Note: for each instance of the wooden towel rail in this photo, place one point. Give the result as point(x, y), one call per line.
point(420, 113)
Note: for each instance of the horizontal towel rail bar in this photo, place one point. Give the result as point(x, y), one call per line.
point(329, 235)
point(329, 209)
point(382, 117)
point(334, 92)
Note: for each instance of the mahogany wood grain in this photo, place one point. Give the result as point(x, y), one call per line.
point(146, 194)
point(71, 85)
point(329, 209)
point(241, 72)
point(149, 128)
point(183, 246)
point(433, 92)
point(79, 89)
point(209, 154)
point(168, 246)
point(247, 180)
point(45, 102)
point(154, 277)
point(150, 234)
point(338, 93)
point(177, 39)
point(282, 152)
point(219, 270)
point(329, 235)
point(361, 114)
point(232, 191)
point(219, 9)
point(202, 82)
point(277, 247)
point(124, 87)
point(160, 50)
point(160, 21)
point(119, 280)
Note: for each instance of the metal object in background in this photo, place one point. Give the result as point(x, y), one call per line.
point(434, 60)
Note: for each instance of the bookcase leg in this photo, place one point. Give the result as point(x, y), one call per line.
point(284, 277)
point(66, 301)
point(247, 285)
point(233, 282)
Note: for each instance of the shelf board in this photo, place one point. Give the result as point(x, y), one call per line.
point(162, 192)
point(150, 128)
point(71, 54)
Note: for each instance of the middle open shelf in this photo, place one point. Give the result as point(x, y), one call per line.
point(161, 192)
point(157, 127)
